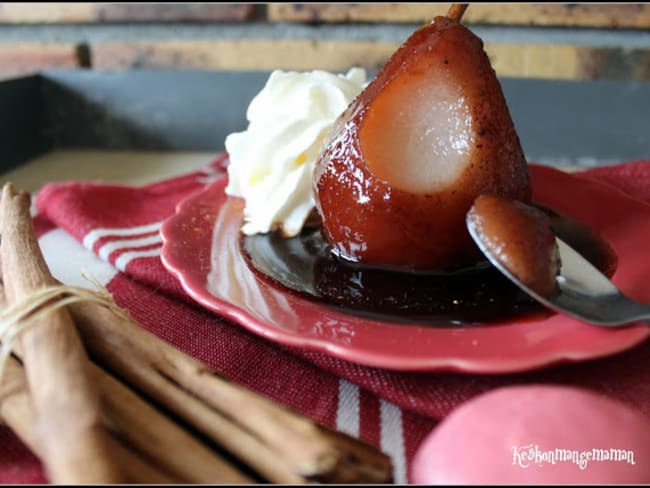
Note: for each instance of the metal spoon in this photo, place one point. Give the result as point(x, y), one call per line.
point(583, 291)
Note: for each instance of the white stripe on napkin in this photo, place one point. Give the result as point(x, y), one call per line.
point(124, 259)
point(105, 250)
point(392, 439)
point(66, 258)
point(94, 235)
point(347, 411)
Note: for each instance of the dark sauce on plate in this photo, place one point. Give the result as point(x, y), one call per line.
point(476, 295)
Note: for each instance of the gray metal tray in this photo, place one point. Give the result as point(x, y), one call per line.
point(559, 122)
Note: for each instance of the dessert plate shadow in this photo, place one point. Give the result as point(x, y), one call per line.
point(201, 248)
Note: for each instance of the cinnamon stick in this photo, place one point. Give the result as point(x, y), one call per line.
point(145, 430)
point(73, 443)
point(456, 11)
point(221, 429)
point(17, 412)
point(161, 439)
point(281, 445)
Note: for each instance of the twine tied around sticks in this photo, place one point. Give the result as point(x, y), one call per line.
point(18, 317)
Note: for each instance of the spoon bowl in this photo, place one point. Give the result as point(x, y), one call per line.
point(582, 290)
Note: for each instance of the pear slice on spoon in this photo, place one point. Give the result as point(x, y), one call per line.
point(517, 239)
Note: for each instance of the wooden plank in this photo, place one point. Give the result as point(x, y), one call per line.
point(18, 59)
point(46, 12)
point(255, 55)
point(614, 15)
point(123, 12)
point(354, 12)
point(546, 14)
point(546, 61)
point(162, 12)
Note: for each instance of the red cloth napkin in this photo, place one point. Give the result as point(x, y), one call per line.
point(392, 410)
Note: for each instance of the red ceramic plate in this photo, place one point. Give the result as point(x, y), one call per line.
point(201, 248)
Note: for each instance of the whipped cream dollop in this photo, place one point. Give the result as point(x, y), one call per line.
point(272, 161)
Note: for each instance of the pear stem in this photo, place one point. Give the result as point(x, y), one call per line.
point(456, 11)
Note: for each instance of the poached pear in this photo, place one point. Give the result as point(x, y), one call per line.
point(404, 163)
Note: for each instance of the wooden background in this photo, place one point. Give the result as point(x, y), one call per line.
point(552, 41)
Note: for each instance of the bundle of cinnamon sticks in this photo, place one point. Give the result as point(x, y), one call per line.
point(100, 400)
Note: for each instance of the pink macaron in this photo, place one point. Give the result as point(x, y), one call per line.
point(537, 434)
